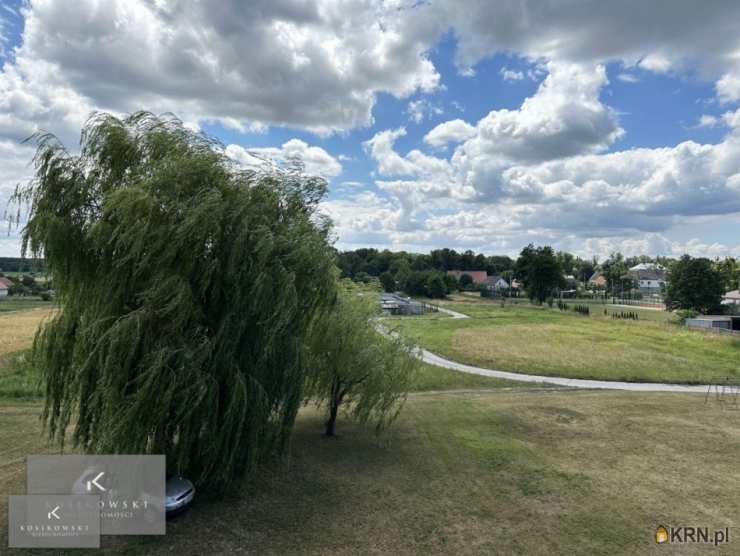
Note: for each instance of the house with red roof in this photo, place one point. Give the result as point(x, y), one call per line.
point(4, 286)
point(478, 276)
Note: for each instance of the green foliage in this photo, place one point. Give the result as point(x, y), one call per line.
point(615, 270)
point(436, 286)
point(451, 283)
point(374, 262)
point(466, 281)
point(539, 271)
point(581, 309)
point(629, 315)
point(729, 270)
point(429, 283)
point(684, 314)
point(357, 367)
point(387, 281)
point(694, 284)
point(186, 290)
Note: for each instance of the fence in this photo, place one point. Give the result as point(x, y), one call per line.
point(638, 303)
point(726, 393)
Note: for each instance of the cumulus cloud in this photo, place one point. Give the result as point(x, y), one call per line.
point(538, 174)
point(315, 160)
point(452, 131)
point(563, 118)
point(315, 65)
point(650, 36)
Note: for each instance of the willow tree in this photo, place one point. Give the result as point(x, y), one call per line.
point(185, 287)
point(355, 366)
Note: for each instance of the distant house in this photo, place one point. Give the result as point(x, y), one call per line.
point(650, 277)
point(478, 276)
point(731, 298)
point(597, 279)
point(496, 283)
point(5, 285)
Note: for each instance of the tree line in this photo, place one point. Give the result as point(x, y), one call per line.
point(693, 283)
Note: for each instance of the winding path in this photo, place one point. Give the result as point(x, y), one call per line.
point(434, 359)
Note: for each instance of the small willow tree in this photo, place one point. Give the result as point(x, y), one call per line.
point(185, 287)
point(357, 366)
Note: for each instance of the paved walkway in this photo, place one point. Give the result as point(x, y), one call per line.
point(439, 361)
point(453, 314)
point(434, 359)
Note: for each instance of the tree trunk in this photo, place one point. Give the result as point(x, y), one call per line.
point(332, 420)
point(336, 400)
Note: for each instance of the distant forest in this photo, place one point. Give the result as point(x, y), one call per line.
point(18, 264)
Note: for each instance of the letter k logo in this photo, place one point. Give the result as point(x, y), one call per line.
point(53, 513)
point(96, 483)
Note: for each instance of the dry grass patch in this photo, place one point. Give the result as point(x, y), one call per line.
point(17, 329)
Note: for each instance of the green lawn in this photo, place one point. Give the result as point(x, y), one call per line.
point(544, 341)
point(432, 378)
point(474, 465)
point(19, 303)
point(502, 471)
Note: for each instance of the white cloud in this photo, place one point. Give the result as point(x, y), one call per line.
point(511, 75)
point(728, 87)
point(421, 109)
point(452, 131)
point(656, 62)
point(657, 244)
point(315, 65)
point(707, 120)
point(316, 161)
point(389, 161)
point(688, 34)
point(538, 174)
point(628, 77)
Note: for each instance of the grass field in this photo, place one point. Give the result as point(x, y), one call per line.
point(495, 472)
point(539, 340)
point(474, 465)
point(16, 303)
point(597, 307)
point(18, 379)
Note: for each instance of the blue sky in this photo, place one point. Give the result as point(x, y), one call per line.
point(484, 128)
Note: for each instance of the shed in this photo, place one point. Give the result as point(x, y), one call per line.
point(722, 322)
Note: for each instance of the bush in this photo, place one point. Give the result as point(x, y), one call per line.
point(684, 314)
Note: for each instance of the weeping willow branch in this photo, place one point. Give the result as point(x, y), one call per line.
point(185, 289)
